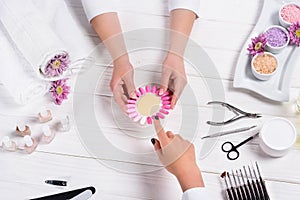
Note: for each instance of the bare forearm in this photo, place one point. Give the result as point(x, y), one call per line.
point(181, 24)
point(190, 179)
point(109, 30)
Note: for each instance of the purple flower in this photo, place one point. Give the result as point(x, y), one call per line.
point(60, 91)
point(294, 31)
point(257, 45)
point(57, 65)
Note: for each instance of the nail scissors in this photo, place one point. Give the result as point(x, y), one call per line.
point(239, 114)
point(231, 150)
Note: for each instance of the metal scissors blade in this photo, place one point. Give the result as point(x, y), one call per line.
point(229, 132)
point(231, 150)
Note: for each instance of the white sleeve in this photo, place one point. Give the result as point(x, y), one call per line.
point(192, 5)
point(94, 8)
point(199, 193)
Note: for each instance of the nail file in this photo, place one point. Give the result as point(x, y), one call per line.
point(83, 196)
point(68, 195)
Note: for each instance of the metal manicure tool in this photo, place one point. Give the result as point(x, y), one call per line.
point(231, 150)
point(239, 114)
point(229, 132)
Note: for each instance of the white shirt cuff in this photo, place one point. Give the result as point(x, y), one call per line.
point(94, 8)
point(199, 193)
point(192, 5)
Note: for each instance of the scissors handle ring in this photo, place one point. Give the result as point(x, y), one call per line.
point(235, 154)
point(225, 149)
point(232, 152)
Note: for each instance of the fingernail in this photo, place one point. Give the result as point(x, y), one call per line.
point(156, 117)
point(160, 115)
point(149, 120)
point(161, 92)
point(133, 95)
point(153, 141)
point(148, 88)
point(142, 90)
point(154, 89)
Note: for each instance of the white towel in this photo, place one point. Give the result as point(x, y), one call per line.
point(16, 74)
point(31, 33)
point(64, 24)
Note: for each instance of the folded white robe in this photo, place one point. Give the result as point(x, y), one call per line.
point(16, 74)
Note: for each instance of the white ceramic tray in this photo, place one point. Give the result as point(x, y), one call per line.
point(276, 88)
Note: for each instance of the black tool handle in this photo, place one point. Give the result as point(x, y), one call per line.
point(239, 193)
point(66, 195)
point(251, 191)
point(260, 191)
point(229, 194)
point(243, 193)
point(264, 189)
point(234, 194)
point(247, 193)
point(255, 190)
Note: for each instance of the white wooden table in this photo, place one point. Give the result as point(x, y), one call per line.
point(221, 30)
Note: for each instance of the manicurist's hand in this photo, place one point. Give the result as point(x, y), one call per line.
point(122, 84)
point(173, 76)
point(109, 30)
point(173, 72)
point(178, 157)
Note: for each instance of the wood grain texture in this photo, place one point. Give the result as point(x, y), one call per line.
point(221, 31)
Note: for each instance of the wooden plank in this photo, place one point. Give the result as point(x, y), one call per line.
point(80, 172)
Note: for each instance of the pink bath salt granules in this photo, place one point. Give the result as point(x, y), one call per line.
point(276, 37)
point(291, 13)
point(265, 64)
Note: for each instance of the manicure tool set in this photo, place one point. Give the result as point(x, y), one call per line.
point(245, 184)
point(228, 147)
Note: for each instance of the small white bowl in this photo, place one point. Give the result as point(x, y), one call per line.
point(277, 137)
point(283, 22)
point(259, 75)
point(277, 49)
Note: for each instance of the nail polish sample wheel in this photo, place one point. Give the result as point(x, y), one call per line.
point(148, 104)
point(107, 133)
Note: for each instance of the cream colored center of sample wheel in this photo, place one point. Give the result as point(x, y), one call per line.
point(148, 104)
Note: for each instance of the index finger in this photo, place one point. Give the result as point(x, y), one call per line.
point(162, 136)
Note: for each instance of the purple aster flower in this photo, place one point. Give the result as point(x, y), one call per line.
point(294, 31)
point(57, 65)
point(60, 91)
point(257, 45)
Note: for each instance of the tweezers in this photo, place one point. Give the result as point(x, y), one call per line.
point(229, 132)
point(239, 114)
